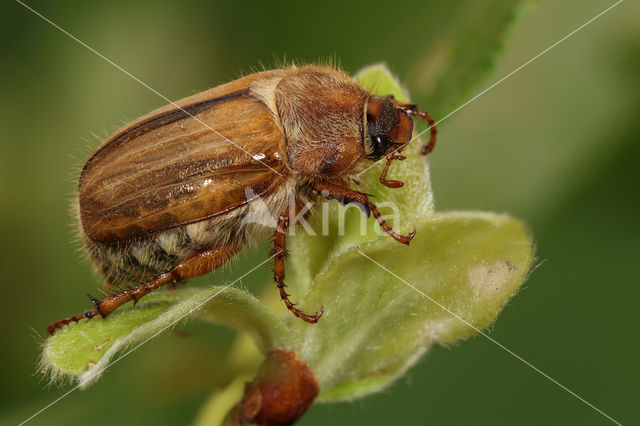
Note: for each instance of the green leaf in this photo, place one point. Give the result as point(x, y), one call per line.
point(376, 325)
point(84, 350)
point(458, 47)
point(214, 411)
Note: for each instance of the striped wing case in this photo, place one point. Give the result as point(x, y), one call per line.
point(169, 169)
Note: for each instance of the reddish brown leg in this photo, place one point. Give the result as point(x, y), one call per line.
point(280, 252)
point(383, 176)
point(200, 264)
point(346, 195)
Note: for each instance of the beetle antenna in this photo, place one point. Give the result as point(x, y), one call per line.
point(413, 110)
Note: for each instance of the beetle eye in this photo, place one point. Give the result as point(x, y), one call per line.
point(379, 147)
point(387, 126)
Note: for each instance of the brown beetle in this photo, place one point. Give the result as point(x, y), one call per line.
point(162, 200)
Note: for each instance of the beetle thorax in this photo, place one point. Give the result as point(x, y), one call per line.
point(322, 119)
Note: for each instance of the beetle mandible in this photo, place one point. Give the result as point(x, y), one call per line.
point(162, 200)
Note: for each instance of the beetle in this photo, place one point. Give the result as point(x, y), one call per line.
point(162, 200)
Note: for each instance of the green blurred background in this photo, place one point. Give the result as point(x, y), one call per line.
point(555, 145)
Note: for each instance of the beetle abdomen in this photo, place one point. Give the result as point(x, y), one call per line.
point(141, 259)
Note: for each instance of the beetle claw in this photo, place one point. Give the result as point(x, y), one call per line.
point(96, 303)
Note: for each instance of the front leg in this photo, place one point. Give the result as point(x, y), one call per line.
point(346, 195)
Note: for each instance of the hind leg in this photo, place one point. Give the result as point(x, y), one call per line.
point(199, 264)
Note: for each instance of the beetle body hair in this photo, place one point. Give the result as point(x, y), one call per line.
point(322, 116)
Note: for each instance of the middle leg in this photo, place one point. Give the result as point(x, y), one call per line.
point(280, 252)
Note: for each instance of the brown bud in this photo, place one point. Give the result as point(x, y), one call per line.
point(281, 393)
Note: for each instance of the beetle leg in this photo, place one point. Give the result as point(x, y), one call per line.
point(346, 195)
point(199, 264)
point(75, 318)
point(280, 252)
point(383, 176)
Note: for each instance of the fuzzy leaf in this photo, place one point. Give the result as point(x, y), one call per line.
point(83, 350)
point(375, 325)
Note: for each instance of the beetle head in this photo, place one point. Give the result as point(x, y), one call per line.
point(388, 127)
